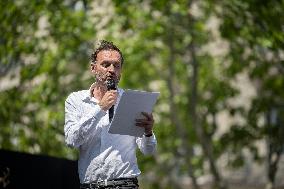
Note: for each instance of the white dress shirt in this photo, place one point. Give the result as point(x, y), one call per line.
point(102, 155)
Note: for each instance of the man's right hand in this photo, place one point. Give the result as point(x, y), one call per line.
point(108, 100)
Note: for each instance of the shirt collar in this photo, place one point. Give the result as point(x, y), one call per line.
point(91, 89)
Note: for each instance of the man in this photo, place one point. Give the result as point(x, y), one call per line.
point(105, 160)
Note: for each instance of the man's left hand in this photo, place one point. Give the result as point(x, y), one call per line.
point(147, 123)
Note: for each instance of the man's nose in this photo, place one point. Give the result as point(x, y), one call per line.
point(111, 68)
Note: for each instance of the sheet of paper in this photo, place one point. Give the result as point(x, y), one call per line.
point(130, 106)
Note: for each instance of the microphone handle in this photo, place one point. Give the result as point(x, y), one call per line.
point(110, 113)
point(111, 85)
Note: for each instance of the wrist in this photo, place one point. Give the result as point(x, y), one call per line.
point(148, 134)
point(102, 107)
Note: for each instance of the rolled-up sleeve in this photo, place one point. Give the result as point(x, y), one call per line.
point(147, 145)
point(79, 126)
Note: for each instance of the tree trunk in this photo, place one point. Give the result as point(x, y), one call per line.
point(186, 147)
point(275, 143)
point(206, 143)
point(273, 159)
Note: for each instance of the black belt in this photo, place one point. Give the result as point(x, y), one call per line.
point(111, 183)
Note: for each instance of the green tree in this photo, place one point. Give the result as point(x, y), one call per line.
point(45, 47)
point(44, 53)
point(254, 31)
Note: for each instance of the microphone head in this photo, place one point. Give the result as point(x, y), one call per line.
point(111, 84)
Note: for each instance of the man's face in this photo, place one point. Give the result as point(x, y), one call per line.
point(107, 66)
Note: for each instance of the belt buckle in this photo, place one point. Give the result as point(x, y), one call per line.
point(102, 183)
point(93, 185)
point(111, 183)
point(129, 182)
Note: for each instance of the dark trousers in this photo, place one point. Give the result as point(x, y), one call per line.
point(120, 183)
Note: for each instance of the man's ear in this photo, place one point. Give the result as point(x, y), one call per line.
point(93, 67)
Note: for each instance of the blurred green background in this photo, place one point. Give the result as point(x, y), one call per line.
point(219, 66)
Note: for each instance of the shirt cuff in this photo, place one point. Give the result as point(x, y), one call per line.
point(150, 139)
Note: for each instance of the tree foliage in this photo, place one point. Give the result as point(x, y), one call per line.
point(44, 56)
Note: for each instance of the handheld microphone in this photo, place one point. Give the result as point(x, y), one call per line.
point(111, 85)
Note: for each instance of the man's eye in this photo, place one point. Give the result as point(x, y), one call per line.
point(105, 65)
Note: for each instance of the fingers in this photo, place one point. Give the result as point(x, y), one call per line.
point(111, 96)
point(111, 99)
point(144, 125)
point(111, 93)
point(146, 122)
point(143, 122)
point(149, 116)
point(108, 100)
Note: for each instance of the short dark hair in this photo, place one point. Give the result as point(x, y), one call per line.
point(105, 45)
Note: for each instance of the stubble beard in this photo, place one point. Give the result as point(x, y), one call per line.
point(101, 79)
